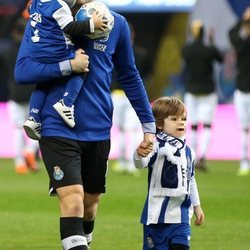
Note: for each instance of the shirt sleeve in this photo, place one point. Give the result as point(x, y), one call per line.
point(78, 28)
point(194, 194)
point(28, 71)
point(63, 15)
point(141, 162)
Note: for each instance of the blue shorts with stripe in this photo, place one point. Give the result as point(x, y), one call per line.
point(162, 236)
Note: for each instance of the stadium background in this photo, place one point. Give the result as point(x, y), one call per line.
point(29, 218)
point(161, 29)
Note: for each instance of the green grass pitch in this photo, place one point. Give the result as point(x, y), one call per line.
point(29, 217)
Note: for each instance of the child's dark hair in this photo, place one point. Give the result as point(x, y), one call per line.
point(166, 106)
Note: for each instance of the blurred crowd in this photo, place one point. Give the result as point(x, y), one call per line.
point(13, 16)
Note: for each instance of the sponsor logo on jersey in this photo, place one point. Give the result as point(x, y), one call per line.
point(58, 173)
point(100, 46)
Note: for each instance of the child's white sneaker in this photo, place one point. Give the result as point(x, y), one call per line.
point(67, 113)
point(32, 128)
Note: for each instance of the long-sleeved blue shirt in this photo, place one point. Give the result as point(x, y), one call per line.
point(93, 107)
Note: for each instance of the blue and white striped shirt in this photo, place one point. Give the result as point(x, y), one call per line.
point(172, 189)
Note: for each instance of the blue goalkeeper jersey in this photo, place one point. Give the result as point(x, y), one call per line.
point(93, 107)
point(47, 41)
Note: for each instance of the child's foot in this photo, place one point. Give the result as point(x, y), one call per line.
point(32, 128)
point(67, 113)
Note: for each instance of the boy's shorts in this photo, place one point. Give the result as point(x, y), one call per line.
point(70, 162)
point(162, 236)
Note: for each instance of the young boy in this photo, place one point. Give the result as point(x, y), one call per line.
point(172, 193)
point(51, 26)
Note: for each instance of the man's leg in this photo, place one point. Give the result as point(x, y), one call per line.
point(71, 220)
point(62, 158)
point(90, 209)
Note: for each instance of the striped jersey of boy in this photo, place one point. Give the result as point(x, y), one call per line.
point(172, 190)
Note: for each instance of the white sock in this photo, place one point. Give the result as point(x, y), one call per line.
point(205, 140)
point(244, 144)
point(74, 241)
point(193, 140)
point(89, 237)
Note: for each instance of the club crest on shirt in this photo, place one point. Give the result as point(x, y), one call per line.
point(58, 173)
point(150, 242)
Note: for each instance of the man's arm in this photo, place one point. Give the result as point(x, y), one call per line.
point(26, 69)
point(131, 82)
point(129, 77)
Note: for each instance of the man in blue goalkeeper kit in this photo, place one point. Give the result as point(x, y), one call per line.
point(76, 158)
point(51, 26)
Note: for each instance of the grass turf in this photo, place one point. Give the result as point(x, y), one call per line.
point(29, 217)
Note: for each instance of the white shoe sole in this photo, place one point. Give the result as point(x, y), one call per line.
point(30, 132)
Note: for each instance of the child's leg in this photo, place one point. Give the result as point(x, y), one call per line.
point(37, 101)
point(65, 107)
point(32, 126)
point(72, 90)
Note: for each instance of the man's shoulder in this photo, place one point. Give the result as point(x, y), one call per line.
point(118, 17)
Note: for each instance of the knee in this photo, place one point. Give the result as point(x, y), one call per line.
point(71, 201)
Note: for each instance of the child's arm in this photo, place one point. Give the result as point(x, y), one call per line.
point(195, 200)
point(77, 28)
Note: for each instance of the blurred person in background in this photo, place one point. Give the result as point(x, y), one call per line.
point(9, 11)
point(124, 116)
point(240, 38)
point(18, 105)
point(200, 95)
point(128, 133)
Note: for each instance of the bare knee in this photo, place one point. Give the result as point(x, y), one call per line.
point(71, 201)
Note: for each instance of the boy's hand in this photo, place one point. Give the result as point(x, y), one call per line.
point(99, 22)
point(146, 145)
point(199, 216)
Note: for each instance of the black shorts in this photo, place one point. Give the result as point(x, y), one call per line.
point(70, 162)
